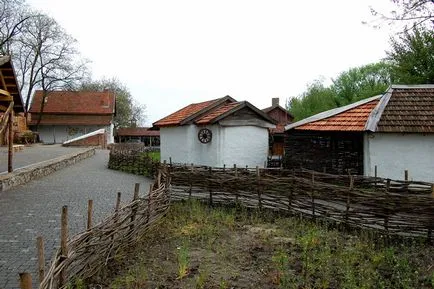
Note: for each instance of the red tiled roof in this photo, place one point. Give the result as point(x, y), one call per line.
point(74, 102)
point(137, 131)
point(409, 109)
point(58, 119)
point(350, 120)
point(177, 117)
point(207, 118)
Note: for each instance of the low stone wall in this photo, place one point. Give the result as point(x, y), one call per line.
point(22, 176)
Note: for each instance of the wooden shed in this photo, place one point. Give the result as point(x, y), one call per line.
point(393, 132)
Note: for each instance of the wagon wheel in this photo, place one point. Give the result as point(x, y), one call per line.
point(204, 135)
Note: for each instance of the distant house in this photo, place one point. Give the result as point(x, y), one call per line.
point(283, 118)
point(138, 134)
point(70, 114)
point(215, 133)
point(393, 131)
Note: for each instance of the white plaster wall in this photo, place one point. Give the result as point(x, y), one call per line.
point(394, 153)
point(183, 146)
point(240, 145)
point(62, 133)
point(244, 145)
point(174, 143)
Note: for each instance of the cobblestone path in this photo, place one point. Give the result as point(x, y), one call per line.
point(33, 209)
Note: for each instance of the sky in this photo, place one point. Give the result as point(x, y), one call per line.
point(173, 53)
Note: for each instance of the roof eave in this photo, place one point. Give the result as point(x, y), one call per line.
point(331, 112)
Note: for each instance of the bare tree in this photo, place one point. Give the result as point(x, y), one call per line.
point(408, 13)
point(13, 17)
point(46, 58)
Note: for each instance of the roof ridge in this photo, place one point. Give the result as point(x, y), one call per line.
point(410, 86)
point(331, 112)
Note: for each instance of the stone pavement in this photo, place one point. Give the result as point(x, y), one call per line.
point(33, 209)
point(34, 154)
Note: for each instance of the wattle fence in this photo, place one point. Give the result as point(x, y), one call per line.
point(133, 158)
point(390, 207)
point(84, 254)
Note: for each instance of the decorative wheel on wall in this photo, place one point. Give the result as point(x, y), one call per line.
point(204, 135)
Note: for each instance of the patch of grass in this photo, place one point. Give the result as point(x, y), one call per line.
point(183, 260)
point(225, 247)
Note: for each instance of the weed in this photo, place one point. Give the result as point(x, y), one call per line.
point(201, 279)
point(183, 260)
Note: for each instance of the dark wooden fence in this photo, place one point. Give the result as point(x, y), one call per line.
point(390, 207)
point(133, 158)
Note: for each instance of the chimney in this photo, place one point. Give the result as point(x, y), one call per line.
point(275, 101)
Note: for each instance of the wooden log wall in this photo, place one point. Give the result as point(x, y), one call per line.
point(405, 209)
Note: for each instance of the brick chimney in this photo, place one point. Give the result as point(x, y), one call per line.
point(275, 101)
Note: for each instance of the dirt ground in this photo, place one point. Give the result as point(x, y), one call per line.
point(200, 247)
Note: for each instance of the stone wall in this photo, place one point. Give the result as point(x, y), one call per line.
point(22, 176)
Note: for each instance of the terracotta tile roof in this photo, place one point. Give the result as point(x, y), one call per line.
point(137, 131)
point(177, 117)
point(207, 118)
point(59, 119)
point(75, 102)
point(409, 109)
point(353, 119)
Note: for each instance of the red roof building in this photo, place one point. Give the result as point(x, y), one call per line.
point(144, 135)
point(283, 118)
point(390, 133)
point(216, 132)
point(61, 115)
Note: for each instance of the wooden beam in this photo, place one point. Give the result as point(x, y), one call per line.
point(5, 95)
point(2, 80)
point(11, 141)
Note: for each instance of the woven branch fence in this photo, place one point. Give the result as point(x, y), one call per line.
point(389, 207)
point(133, 158)
point(86, 253)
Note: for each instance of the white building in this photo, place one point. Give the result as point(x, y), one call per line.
point(216, 133)
point(393, 132)
point(70, 114)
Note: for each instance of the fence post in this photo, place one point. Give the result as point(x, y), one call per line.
point(406, 175)
point(134, 208)
point(41, 258)
point(387, 185)
point(25, 281)
point(10, 141)
point(432, 190)
point(89, 213)
point(235, 169)
point(63, 243)
point(118, 202)
point(191, 181)
point(347, 211)
point(209, 186)
point(375, 176)
point(258, 186)
point(312, 195)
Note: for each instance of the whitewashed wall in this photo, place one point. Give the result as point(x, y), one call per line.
point(394, 153)
point(244, 145)
point(62, 133)
point(241, 145)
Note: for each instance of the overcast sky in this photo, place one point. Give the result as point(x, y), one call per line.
point(173, 53)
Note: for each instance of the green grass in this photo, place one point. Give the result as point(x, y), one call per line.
point(196, 246)
point(154, 155)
